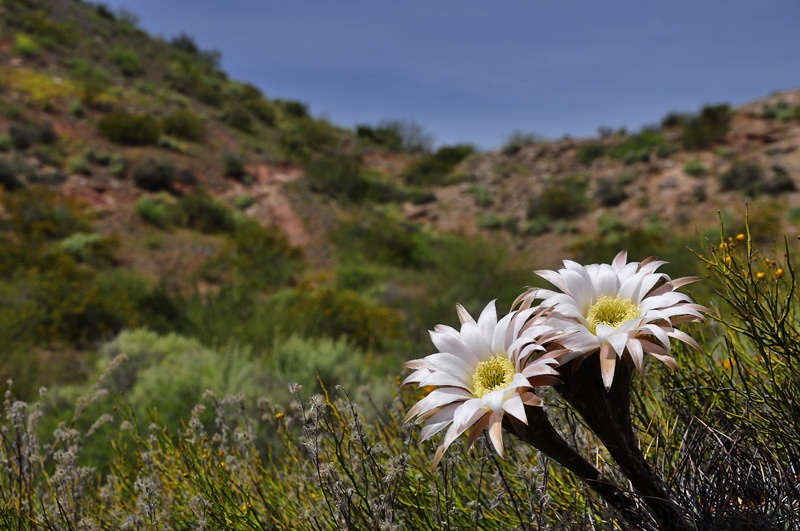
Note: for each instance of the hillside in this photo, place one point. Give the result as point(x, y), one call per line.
point(172, 158)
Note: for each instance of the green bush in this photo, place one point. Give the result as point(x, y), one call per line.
point(233, 165)
point(706, 129)
point(90, 248)
point(793, 215)
point(292, 108)
point(26, 45)
point(380, 136)
point(382, 238)
point(91, 79)
point(238, 117)
point(610, 191)
point(126, 60)
point(747, 177)
point(154, 174)
point(130, 129)
point(560, 199)
point(79, 164)
point(263, 110)
point(590, 152)
point(518, 140)
point(186, 125)
point(436, 168)
point(483, 197)
point(344, 177)
point(23, 136)
point(9, 175)
point(493, 221)
point(158, 211)
point(639, 147)
point(695, 168)
point(6, 144)
point(200, 211)
point(306, 138)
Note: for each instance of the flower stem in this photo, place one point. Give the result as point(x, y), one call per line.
point(540, 434)
point(607, 413)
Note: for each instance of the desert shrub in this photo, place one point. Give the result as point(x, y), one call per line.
point(292, 108)
point(590, 152)
point(380, 136)
point(9, 175)
point(6, 144)
point(158, 211)
point(154, 174)
point(316, 311)
point(436, 168)
point(695, 168)
point(793, 214)
point(263, 110)
point(493, 221)
point(747, 177)
point(46, 133)
point(26, 45)
point(90, 248)
point(345, 177)
point(23, 136)
point(238, 117)
point(305, 138)
point(536, 226)
point(255, 258)
point(200, 211)
point(560, 199)
point(34, 214)
point(518, 140)
point(117, 165)
point(91, 79)
point(186, 125)
point(233, 165)
point(640, 147)
point(781, 111)
point(483, 197)
point(610, 191)
point(411, 135)
point(383, 238)
point(779, 182)
point(129, 129)
point(707, 128)
point(79, 164)
point(126, 60)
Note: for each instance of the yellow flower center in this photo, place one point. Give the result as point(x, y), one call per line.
point(492, 374)
point(611, 311)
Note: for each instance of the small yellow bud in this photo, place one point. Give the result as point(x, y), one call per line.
point(740, 237)
point(728, 260)
point(779, 272)
point(279, 415)
point(760, 275)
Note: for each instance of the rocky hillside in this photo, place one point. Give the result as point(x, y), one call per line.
point(88, 100)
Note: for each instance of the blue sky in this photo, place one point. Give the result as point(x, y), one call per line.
point(476, 71)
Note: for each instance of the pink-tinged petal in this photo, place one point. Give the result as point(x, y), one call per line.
point(603, 332)
point(618, 342)
point(514, 407)
point(453, 345)
point(417, 376)
point(530, 399)
point(468, 413)
point(669, 360)
point(476, 430)
point(450, 364)
point(437, 422)
point(630, 288)
point(463, 315)
point(607, 281)
point(657, 332)
point(496, 432)
point(443, 379)
point(447, 330)
point(608, 362)
point(651, 348)
point(635, 350)
point(500, 334)
point(437, 398)
point(538, 369)
point(487, 320)
point(475, 342)
point(683, 336)
point(649, 265)
point(620, 260)
point(683, 281)
point(555, 279)
point(663, 301)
